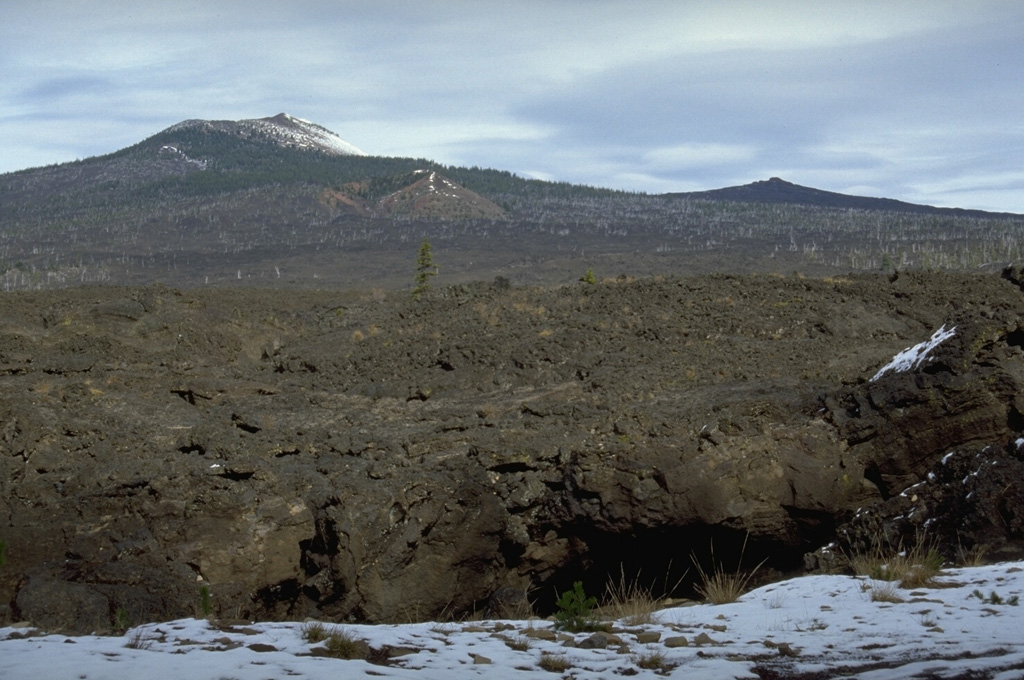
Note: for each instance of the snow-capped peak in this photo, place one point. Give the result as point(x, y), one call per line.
point(284, 129)
point(302, 133)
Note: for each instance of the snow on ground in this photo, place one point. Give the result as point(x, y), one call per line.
point(968, 625)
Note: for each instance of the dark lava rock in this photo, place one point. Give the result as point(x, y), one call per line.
point(331, 454)
point(967, 391)
point(941, 442)
point(970, 503)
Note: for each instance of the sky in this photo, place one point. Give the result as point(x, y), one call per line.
point(919, 100)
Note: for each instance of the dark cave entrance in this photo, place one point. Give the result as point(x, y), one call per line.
point(664, 562)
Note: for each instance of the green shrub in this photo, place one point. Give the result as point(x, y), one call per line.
point(121, 620)
point(575, 610)
point(205, 601)
point(589, 277)
point(996, 598)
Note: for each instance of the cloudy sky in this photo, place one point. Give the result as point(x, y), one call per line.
point(921, 100)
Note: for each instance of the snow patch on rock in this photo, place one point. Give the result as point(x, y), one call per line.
point(912, 357)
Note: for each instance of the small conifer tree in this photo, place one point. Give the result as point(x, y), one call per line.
point(205, 601)
point(574, 610)
point(425, 268)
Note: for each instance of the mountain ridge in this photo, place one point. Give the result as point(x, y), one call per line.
point(197, 145)
point(778, 190)
point(212, 202)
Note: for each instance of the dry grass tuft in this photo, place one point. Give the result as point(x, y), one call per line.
point(519, 643)
point(138, 641)
point(338, 643)
point(555, 663)
point(973, 557)
point(510, 603)
point(653, 660)
point(721, 587)
point(885, 591)
point(343, 645)
point(314, 631)
point(447, 628)
point(913, 567)
point(630, 601)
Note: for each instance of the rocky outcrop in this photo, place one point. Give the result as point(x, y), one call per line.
point(330, 455)
point(939, 435)
point(968, 390)
point(968, 507)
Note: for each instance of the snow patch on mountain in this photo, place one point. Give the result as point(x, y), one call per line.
point(305, 134)
point(438, 184)
point(283, 129)
point(432, 194)
point(171, 150)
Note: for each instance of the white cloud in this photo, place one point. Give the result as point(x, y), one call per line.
point(697, 155)
point(997, 191)
point(440, 139)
